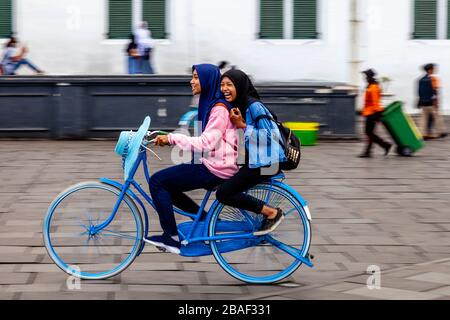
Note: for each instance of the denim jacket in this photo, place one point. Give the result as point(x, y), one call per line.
point(262, 139)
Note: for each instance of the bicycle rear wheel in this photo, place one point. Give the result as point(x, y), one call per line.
point(68, 235)
point(261, 260)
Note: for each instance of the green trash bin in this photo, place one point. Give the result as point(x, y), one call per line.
point(402, 129)
point(305, 131)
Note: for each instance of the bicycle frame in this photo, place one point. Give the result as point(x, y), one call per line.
point(125, 189)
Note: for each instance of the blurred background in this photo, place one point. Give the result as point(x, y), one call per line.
point(274, 40)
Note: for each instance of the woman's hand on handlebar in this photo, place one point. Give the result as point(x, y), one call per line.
point(162, 140)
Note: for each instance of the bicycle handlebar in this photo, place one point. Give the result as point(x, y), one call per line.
point(147, 141)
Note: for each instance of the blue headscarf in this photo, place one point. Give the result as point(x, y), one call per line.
point(209, 76)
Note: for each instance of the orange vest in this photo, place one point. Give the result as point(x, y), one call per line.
point(435, 82)
point(372, 100)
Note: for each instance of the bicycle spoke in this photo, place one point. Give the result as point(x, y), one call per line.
point(289, 212)
point(116, 233)
point(81, 224)
point(251, 218)
point(267, 200)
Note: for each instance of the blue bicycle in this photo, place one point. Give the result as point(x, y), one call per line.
point(95, 230)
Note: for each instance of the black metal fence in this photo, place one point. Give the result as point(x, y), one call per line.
point(332, 105)
point(82, 107)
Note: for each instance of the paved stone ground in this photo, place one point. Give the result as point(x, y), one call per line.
point(390, 212)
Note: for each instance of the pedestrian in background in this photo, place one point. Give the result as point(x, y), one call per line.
point(144, 41)
point(428, 90)
point(14, 58)
point(133, 56)
point(373, 111)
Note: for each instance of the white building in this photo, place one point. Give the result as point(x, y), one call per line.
point(274, 40)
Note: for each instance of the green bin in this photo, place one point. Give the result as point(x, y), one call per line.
point(305, 131)
point(402, 129)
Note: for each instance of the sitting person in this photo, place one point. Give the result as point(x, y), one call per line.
point(12, 61)
point(250, 114)
point(218, 140)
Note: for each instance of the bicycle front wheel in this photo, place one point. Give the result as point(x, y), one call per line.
point(261, 259)
point(71, 242)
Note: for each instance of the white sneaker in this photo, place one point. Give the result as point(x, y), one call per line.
point(164, 243)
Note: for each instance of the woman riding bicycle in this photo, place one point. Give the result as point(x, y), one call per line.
point(263, 152)
point(218, 140)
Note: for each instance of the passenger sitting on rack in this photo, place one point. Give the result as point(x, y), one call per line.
point(259, 165)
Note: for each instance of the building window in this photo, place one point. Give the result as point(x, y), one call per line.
point(154, 12)
point(425, 19)
point(6, 12)
point(448, 19)
point(125, 14)
point(431, 19)
point(305, 19)
point(120, 19)
point(271, 19)
point(288, 19)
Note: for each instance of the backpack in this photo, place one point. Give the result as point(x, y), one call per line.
point(291, 143)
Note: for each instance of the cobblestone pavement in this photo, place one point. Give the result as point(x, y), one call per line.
point(390, 212)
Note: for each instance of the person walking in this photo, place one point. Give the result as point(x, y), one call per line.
point(428, 90)
point(144, 41)
point(372, 111)
point(133, 56)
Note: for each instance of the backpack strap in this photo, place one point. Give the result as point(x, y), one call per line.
point(279, 126)
point(272, 116)
point(263, 116)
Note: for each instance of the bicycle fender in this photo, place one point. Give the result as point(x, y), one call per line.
point(302, 201)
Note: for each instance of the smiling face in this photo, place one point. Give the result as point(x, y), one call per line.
point(195, 83)
point(228, 89)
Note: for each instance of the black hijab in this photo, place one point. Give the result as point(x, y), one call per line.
point(246, 93)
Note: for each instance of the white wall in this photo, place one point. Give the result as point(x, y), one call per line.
point(69, 37)
point(233, 37)
point(393, 53)
point(65, 37)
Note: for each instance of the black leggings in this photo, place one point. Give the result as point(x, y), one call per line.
point(371, 122)
point(231, 192)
